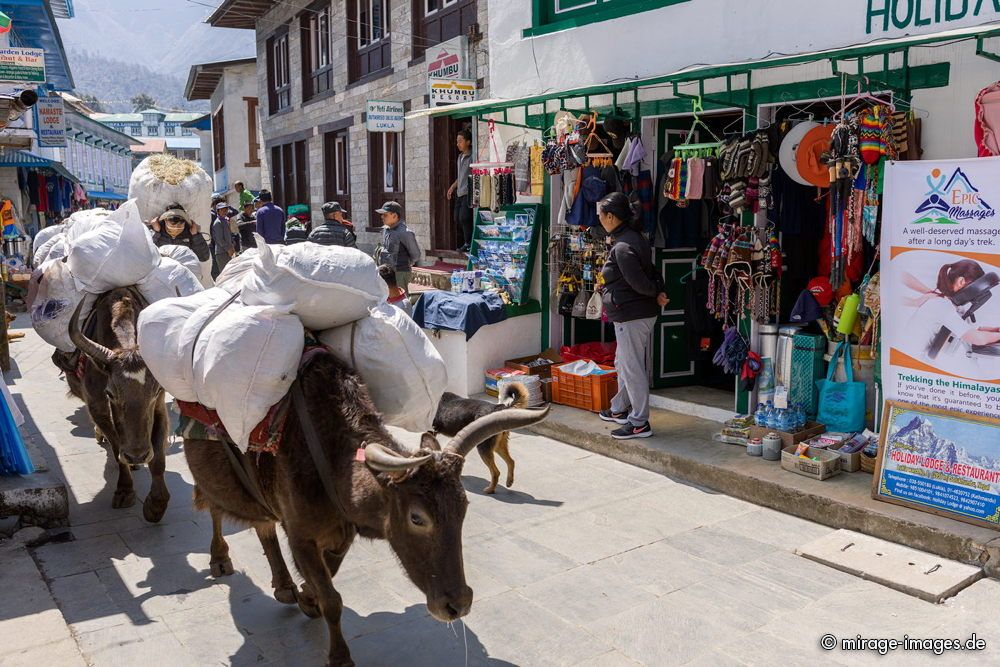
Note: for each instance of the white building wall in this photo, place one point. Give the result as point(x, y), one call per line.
point(707, 32)
point(238, 83)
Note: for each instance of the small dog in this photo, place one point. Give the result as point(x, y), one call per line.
point(455, 413)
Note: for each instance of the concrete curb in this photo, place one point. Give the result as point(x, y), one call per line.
point(694, 457)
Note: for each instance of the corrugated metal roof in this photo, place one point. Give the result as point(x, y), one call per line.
point(203, 78)
point(10, 157)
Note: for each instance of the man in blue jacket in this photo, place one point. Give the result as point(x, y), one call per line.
point(270, 219)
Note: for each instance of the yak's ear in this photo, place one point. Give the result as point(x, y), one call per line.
point(430, 442)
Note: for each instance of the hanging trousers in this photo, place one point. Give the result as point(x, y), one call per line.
point(630, 361)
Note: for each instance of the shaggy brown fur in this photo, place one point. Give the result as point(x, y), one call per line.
point(455, 413)
point(419, 510)
point(131, 416)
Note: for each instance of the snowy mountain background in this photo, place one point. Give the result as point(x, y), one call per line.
point(918, 436)
point(121, 48)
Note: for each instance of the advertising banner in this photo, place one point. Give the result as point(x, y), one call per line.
point(20, 65)
point(385, 116)
point(51, 123)
point(452, 91)
point(940, 284)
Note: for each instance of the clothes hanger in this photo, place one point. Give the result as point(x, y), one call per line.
point(696, 109)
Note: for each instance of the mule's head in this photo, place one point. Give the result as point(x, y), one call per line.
point(132, 393)
point(427, 504)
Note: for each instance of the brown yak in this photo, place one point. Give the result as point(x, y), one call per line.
point(413, 500)
point(125, 402)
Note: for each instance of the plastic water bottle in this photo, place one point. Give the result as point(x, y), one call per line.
point(800, 417)
point(760, 415)
point(769, 414)
point(456, 282)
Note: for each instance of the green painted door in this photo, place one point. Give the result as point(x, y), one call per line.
point(672, 365)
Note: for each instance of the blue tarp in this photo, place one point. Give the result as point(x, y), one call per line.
point(110, 196)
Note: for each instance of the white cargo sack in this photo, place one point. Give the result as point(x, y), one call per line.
point(46, 235)
point(183, 255)
point(169, 279)
point(326, 286)
point(53, 248)
point(85, 221)
point(117, 253)
point(166, 337)
point(231, 277)
point(404, 373)
point(160, 180)
point(244, 362)
point(54, 303)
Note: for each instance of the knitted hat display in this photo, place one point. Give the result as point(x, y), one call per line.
point(870, 131)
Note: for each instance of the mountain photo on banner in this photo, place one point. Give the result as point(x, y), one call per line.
point(120, 48)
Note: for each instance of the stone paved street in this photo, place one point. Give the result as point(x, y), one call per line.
point(587, 561)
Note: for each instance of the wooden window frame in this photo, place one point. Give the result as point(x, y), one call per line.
point(253, 143)
point(362, 55)
point(441, 24)
point(152, 130)
point(279, 80)
point(337, 166)
point(170, 130)
point(290, 173)
point(219, 139)
point(317, 66)
point(379, 192)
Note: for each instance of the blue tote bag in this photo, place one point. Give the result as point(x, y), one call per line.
point(841, 404)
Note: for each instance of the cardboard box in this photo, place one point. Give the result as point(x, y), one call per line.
point(849, 462)
point(789, 439)
point(519, 364)
point(827, 463)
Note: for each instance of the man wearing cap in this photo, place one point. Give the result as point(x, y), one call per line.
point(222, 236)
point(399, 246)
point(270, 219)
point(335, 230)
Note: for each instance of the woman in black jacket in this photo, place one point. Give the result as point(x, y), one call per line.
point(175, 227)
point(633, 295)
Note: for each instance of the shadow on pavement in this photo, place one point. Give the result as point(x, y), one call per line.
point(476, 485)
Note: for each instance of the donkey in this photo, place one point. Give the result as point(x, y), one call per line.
point(125, 402)
point(371, 486)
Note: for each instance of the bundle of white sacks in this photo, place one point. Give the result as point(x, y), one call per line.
point(92, 253)
point(236, 348)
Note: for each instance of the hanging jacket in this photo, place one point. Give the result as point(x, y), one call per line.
point(332, 232)
point(631, 283)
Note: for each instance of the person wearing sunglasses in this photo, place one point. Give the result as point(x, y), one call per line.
point(175, 227)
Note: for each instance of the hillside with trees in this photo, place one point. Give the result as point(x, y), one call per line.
point(114, 83)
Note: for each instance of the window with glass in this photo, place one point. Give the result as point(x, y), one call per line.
point(289, 177)
point(368, 38)
point(152, 130)
point(170, 130)
point(253, 144)
point(279, 81)
point(436, 21)
point(135, 129)
point(336, 177)
point(219, 139)
point(186, 132)
point(317, 68)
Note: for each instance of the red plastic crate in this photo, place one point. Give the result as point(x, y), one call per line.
point(587, 392)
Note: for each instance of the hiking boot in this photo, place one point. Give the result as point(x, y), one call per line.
point(627, 432)
point(616, 417)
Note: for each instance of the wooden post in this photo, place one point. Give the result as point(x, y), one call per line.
point(4, 343)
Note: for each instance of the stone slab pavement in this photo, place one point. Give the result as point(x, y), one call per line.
point(586, 561)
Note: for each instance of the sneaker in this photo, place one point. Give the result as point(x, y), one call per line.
point(616, 417)
point(628, 432)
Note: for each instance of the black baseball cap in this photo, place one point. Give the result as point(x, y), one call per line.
point(332, 207)
point(390, 207)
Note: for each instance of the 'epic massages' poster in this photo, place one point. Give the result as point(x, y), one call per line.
point(940, 284)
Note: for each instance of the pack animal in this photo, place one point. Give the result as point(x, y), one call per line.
point(125, 402)
point(317, 487)
point(455, 413)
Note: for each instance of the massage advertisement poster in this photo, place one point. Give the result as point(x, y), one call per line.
point(940, 306)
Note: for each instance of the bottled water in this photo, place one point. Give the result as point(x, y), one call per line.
point(456, 282)
point(759, 417)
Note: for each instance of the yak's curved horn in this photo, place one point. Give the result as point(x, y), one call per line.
point(383, 459)
point(493, 424)
point(95, 351)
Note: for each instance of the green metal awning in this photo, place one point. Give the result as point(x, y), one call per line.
point(10, 157)
point(700, 73)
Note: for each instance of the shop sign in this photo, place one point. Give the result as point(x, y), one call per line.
point(384, 116)
point(452, 91)
point(940, 307)
point(449, 60)
point(940, 461)
point(51, 122)
point(884, 15)
point(22, 65)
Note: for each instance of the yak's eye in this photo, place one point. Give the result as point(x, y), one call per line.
point(110, 395)
point(416, 519)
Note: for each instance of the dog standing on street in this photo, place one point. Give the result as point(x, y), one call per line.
point(455, 413)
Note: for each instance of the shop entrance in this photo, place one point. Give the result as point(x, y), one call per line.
point(444, 170)
point(682, 352)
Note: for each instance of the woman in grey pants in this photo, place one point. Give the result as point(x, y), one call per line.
point(633, 295)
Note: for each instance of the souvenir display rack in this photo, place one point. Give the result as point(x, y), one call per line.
point(504, 245)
